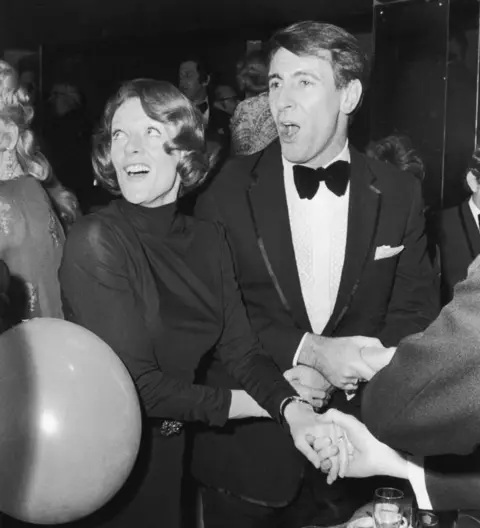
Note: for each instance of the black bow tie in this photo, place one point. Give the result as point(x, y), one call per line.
point(203, 107)
point(308, 180)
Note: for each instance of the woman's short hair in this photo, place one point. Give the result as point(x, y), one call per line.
point(164, 103)
point(309, 38)
point(252, 73)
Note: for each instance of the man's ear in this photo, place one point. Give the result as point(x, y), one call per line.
point(206, 82)
point(351, 96)
point(472, 182)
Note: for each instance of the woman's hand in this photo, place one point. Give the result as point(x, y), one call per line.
point(307, 429)
point(366, 455)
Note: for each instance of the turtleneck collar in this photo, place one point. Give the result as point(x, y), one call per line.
point(155, 221)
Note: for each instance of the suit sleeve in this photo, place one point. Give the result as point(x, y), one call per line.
point(453, 482)
point(280, 337)
point(415, 297)
point(240, 349)
point(98, 295)
point(427, 400)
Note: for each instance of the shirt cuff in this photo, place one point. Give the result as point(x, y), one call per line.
point(416, 476)
point(297, 353)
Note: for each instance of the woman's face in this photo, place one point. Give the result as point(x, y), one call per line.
point(146, 174)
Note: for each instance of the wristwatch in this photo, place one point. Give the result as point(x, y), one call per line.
point(289, 400)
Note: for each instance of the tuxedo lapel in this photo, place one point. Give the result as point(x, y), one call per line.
point(269, 210)
point(363, 213)
point(471, 230)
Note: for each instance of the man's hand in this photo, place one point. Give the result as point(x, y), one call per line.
point(377, 358)
point(310, 385)
point(339, 358)
point(366, 455)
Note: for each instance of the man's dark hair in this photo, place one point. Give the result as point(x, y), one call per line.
point(311, 38)
point(202, 68)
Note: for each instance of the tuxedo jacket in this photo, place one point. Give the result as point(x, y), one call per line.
point(427, 400)
point(217, 132)
point(458, 241)
point(388, 298)
point(219, 122)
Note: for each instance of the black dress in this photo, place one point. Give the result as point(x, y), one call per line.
point(159, 288)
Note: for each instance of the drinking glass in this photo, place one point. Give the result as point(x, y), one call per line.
point(388, 508)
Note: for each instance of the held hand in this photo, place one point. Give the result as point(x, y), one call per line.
point(310, 385)
point(366, 455)
point(377, 358)
point(334, 457)
point(339, 359)
point(307, 428)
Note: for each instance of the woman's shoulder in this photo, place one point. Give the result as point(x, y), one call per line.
point(95, 234)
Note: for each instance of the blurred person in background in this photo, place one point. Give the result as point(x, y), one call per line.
point(66, 140)
point(457, 232)
point(252, 74)
point(194, 81)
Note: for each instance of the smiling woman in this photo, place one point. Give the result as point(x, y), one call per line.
point(159, 288)
point(150, 144)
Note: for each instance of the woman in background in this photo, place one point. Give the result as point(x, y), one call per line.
point(252, 74)
point(32, 236)
point(252, 126)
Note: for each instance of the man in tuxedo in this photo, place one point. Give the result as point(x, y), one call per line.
point(457, 233)
point(328, 246)
point(194, 82)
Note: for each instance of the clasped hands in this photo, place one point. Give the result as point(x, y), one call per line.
point(341, 362)
point(341, 446)
point(326, 439)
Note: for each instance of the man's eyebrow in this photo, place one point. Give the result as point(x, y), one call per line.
point(274, 76)
point(309, 73)
point(298, 73)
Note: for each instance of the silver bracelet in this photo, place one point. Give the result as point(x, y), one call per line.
point(287, 401)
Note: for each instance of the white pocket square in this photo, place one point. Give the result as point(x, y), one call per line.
point(383, 252)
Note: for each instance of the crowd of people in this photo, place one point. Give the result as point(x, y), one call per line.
point(301, 279)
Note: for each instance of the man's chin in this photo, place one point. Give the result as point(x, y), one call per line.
point(292, 154)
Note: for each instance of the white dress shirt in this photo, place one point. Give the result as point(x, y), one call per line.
point(319, 236)
point(206, 114)
point(416, 476)
point(475, 211)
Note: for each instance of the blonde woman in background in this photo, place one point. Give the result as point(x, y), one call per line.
point(31, 234)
